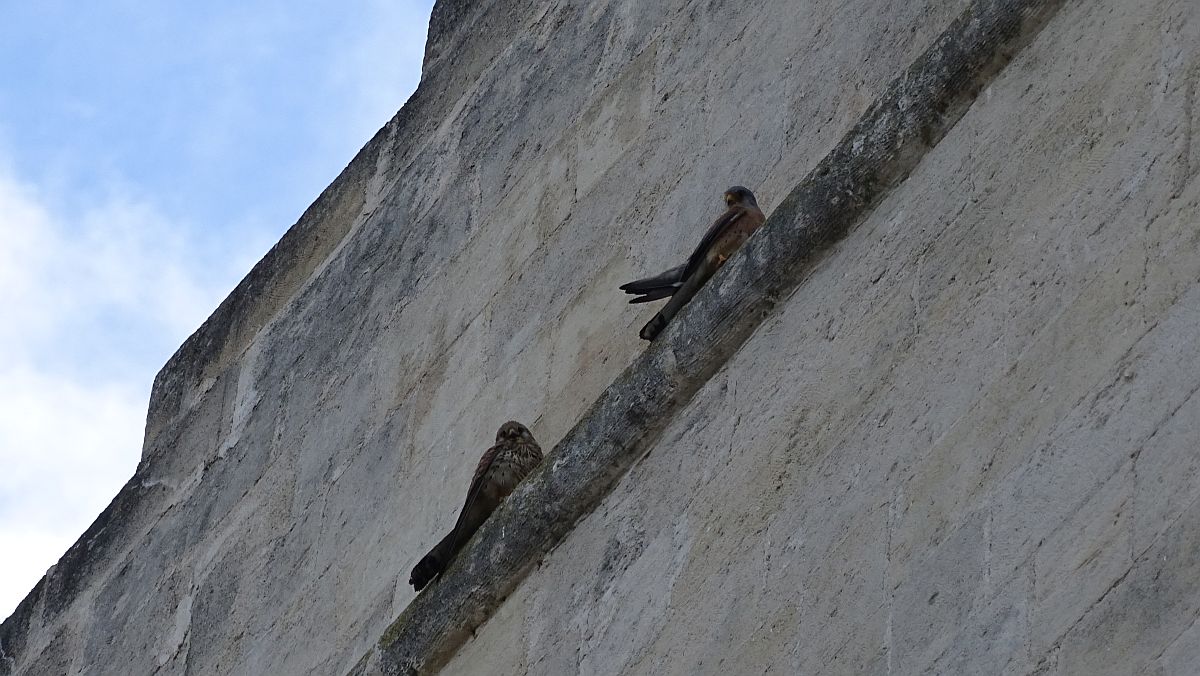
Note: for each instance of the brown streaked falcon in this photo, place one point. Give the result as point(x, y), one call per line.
point(501, 468)
point(724, 236)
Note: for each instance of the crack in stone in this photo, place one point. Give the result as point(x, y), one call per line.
point(5, 657)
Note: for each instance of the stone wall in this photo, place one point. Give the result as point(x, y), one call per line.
point(967, 443)
point(970, 442)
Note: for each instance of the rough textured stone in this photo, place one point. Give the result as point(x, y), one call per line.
point(962, 444)
point(945, 426)
point(912, 113)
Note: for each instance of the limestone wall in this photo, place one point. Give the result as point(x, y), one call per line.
point(970, 442)
point(967, 443)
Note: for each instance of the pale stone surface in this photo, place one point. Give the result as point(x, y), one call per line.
point(965, 445)
point(909, 117)
point(316, 436)
point(945, 454)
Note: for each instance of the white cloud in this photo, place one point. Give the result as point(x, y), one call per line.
point(70, 436)
point(116, 260)
point(30, 545)
point(65, 447)
point(100, 282)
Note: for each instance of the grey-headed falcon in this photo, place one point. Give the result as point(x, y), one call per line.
point(741, 218)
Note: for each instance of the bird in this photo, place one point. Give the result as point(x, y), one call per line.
point(501, 468)
point(732, 228)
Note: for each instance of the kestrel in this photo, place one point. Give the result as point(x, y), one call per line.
point(501, 468)
point(731, 229)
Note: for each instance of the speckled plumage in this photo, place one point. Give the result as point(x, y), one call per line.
point(501, 468)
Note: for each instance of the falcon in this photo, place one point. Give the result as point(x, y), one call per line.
point(741, 218)
point(501, 468)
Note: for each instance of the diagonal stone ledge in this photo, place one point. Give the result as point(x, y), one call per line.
point(910, 117)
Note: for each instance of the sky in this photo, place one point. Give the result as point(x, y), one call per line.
point(150, 154)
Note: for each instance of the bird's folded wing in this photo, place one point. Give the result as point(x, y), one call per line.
point(718, 228)
point(668, 279)
point(659, 293)
point(474, 511)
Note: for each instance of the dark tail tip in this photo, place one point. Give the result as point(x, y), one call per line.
point(653, 327)
point(425, 571)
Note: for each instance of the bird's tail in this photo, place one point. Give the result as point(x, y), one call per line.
point(656, 287)
point(432, 564)
point(479, 505)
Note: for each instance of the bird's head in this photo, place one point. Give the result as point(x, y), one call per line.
point(739, 195)
point(513, 431)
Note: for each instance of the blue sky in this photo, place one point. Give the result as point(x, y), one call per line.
point(150, 154)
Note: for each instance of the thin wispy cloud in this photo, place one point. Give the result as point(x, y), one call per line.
point(92, 301)
point(74, 290)
point(142, 173)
